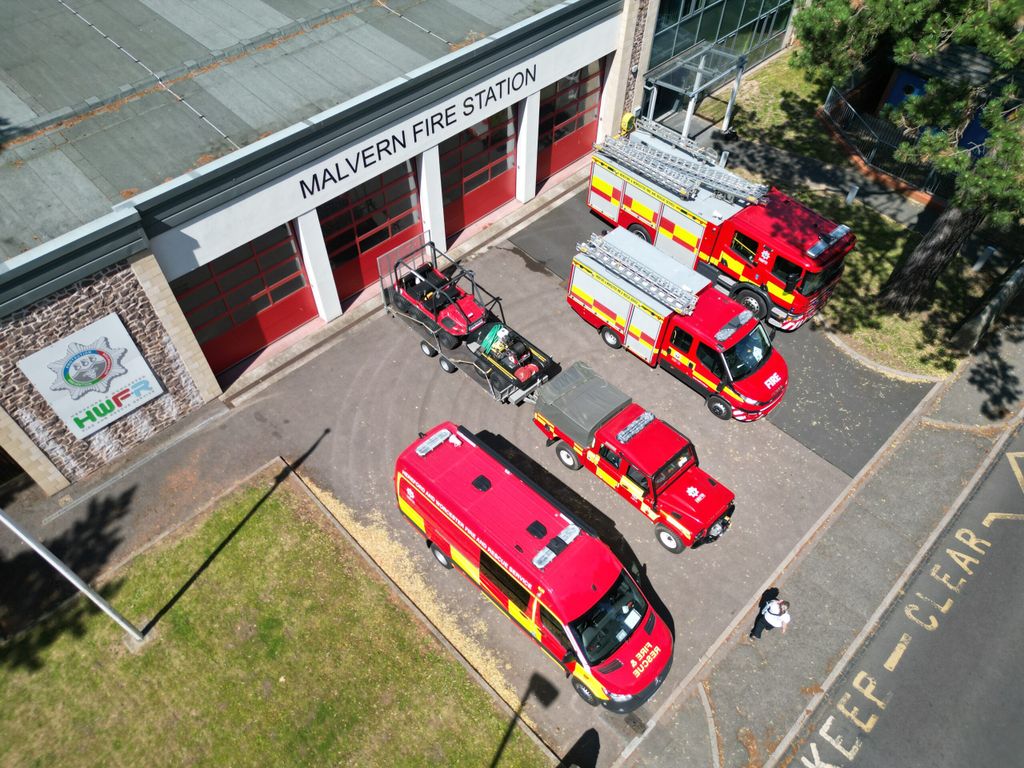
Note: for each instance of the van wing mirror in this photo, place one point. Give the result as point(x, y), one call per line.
point(791, 281)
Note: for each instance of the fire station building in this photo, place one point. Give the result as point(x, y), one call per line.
point(131, 277)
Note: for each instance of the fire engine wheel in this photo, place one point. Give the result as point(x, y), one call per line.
point(440, 556)
point(610, 337)
point(567, 456)
point(640, 232)
point(719, 408)
point(447, 340)
point(753, 301)
point(668, 539)
point(584, 693)
point(427, 350)
point(447, 365)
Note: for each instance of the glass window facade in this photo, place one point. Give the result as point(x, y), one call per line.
point(752, 27)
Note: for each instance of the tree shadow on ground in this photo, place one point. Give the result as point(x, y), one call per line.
point(1000, 381)
point(602, 526)
point(30, 588)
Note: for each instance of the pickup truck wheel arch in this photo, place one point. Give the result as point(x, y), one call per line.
point(669, 539)
point(567, 456)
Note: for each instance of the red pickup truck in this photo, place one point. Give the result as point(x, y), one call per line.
point(651, 465)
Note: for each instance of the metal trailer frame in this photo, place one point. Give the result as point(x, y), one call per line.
point(469, 357)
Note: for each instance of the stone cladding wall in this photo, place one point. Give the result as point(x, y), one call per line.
point(113, 289)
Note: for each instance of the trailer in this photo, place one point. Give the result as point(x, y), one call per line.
point(461, 323)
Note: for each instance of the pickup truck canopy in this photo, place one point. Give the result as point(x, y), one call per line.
point(578, 402)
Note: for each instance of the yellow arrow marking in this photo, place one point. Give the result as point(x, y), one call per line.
point(991, 517)
point(1016, 459)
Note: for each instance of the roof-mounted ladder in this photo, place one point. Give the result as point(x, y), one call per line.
point(676, 139)
point(672, 295)
point(681, 172)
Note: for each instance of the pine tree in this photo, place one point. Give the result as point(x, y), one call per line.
point(839, 36)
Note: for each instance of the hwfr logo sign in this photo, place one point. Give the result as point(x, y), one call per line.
point(93, 377)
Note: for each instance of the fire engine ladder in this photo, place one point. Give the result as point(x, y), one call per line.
point(680, 172)
point(672, 295)
point(676, 139)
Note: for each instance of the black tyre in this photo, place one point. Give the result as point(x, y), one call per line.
point(640, 232)
point(441, 557)
point(447, 365)
point(753, 301)
point(585, 693)
point(719, 408)
point(567, 456)
point(610, 337)
point(447, 340)
point(427, 350)
point(669, 539)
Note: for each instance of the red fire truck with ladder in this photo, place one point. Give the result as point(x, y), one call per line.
point(671, 317)
point(460, 322)
point(651, 465)
point(774, 255)
point(540, 565)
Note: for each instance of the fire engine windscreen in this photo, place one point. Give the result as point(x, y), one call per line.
point(749, 353)
point(609, 623)
point(667, 472)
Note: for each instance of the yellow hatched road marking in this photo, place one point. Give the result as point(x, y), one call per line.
point(1015, 460)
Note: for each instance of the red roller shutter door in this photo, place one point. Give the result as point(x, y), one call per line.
point(568, 119)
point(478, 170)
point(247, 299)
point(367, 221)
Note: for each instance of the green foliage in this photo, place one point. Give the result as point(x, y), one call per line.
point(285, 651)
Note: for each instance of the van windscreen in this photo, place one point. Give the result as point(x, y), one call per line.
point(609, 623)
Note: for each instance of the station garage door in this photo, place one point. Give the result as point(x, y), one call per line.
point(367, 221)
point(568, 119)
point(247, 299)
point(478, 170)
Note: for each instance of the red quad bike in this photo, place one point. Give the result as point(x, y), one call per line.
point(443, 295)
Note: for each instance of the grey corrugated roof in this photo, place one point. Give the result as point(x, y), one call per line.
point(85, 126)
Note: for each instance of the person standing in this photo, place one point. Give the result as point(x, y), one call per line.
point(774, 613)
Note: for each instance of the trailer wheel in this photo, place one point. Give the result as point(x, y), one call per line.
point(610, 337)
point(584, 693)
point(427, 350)
point(567, 456)
point(753, 301)
point(447, 340)
point(668, 539)
point(440, 556)
point(447, 365)
point(641, 232)
point(719, 408)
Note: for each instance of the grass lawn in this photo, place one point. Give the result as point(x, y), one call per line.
point(917, 342)
point(776, 105)
point(287, 650)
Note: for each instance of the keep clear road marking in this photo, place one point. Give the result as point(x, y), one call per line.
point(842, 734)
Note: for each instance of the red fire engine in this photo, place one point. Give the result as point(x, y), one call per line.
point(651, 465)
point(774, 255)
point(541, 566)
point(669, 316)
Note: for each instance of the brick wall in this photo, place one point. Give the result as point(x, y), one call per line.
point(114, 289)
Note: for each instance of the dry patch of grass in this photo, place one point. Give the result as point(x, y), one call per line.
point(286, 650)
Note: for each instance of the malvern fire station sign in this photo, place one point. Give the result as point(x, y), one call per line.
point(93, 377)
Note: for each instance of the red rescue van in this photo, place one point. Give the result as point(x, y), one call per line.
point(542, 567)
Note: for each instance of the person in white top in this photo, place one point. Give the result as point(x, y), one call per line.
point(774, 614)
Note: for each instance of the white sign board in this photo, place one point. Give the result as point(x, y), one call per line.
point(93, 377)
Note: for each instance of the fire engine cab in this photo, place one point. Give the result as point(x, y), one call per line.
point(651, 465)
point(774, 255)
point(541, 566)
point(669, 316)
